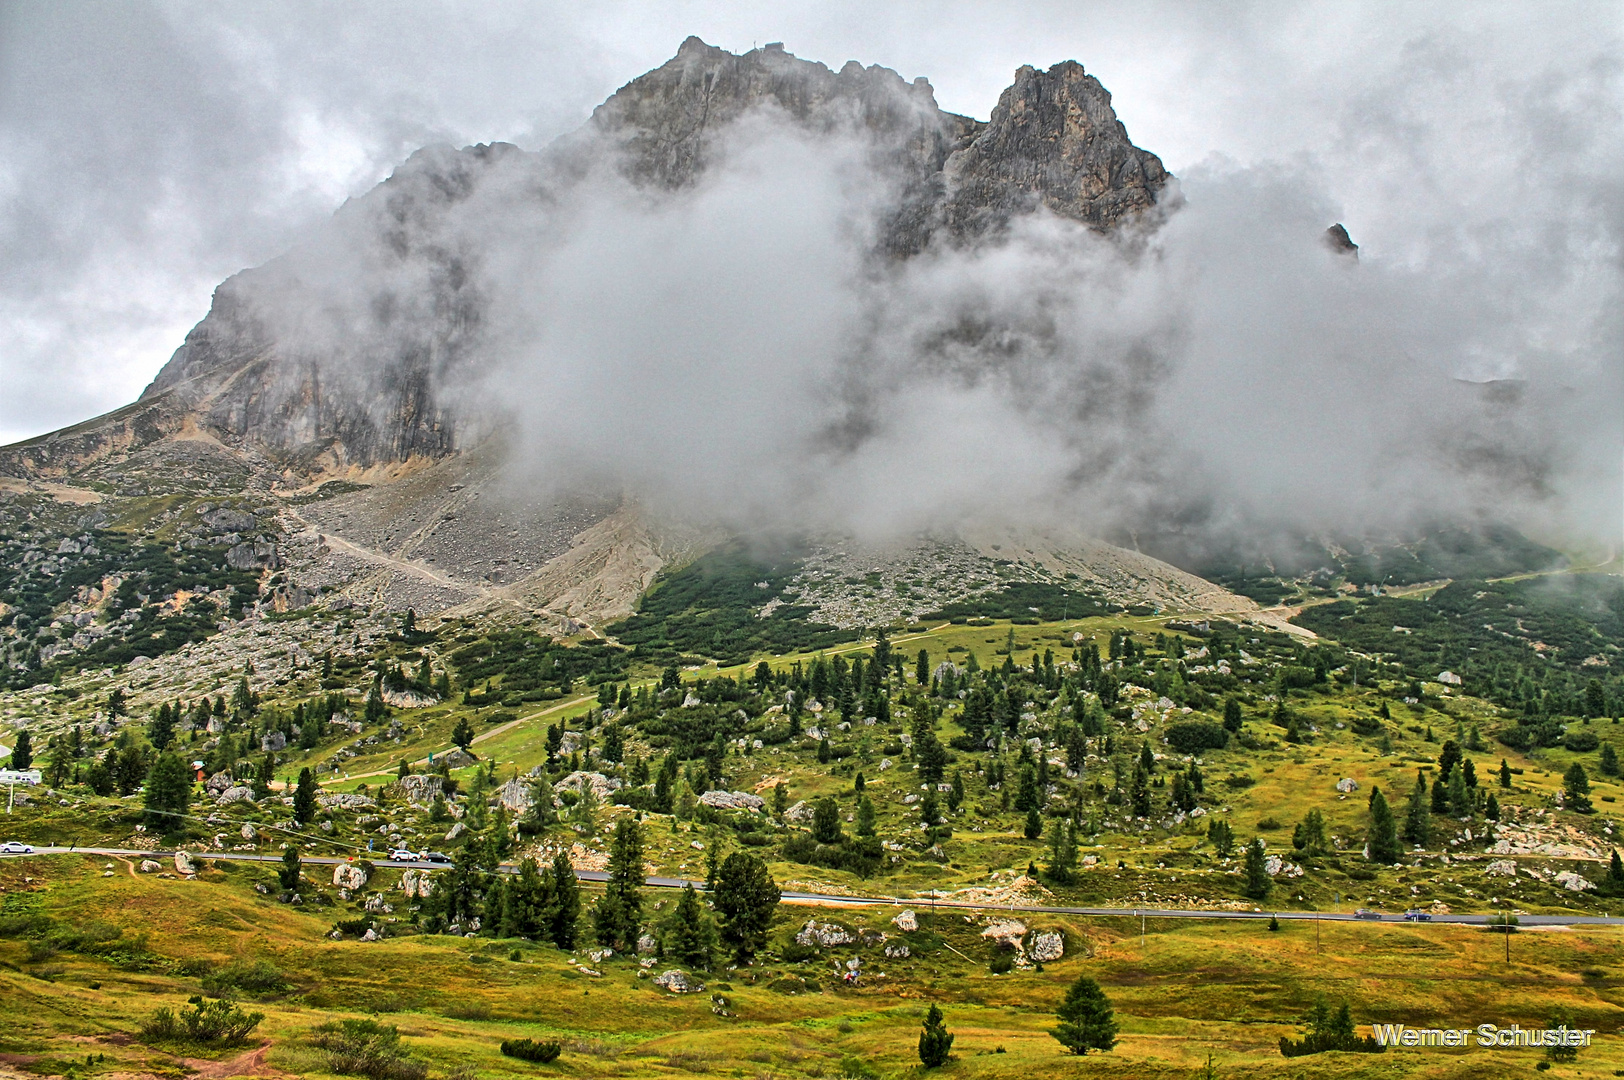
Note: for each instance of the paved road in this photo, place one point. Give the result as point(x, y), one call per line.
point(918, 903)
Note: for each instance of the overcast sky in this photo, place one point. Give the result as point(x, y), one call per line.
point(149, 150)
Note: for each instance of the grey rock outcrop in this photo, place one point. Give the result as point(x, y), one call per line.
point(184, 863)
point(1053, 141)
point(416, 884)
point(349, 876)
point(420, 789)
point(678, 982)
point(732, 800)
point(823, 935)
point(345, 800)
point(602, 786)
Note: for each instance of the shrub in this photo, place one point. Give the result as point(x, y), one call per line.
point(366, 1048)
point(1189, 736)
point(1581, 742)
point(209, 1020)
point(530, 1050)
point(247, 976)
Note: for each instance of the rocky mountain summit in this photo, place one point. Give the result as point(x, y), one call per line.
point(350, 380)
point(361, 348)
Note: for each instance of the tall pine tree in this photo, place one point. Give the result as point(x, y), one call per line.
point(1381, 838)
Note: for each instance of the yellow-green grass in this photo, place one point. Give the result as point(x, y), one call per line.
point(1184, 991)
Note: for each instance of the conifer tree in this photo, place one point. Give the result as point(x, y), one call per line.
point(1257, 882)
point(168, 793)
point(1381, 838)
point(1062, 868)
point(690, 936)
point(1576, 786)
point(1613, 883)
point(304, 798)
point(745, 898)
point(1460, 796)
point(1418, 815)
point(1139, 792)
point(865, 816)
point(22, 752)
point(935, 1041)
point(618, 917)
point(1505, 774)
point(564, 902)
point(161, 732)
point(1087, 1021)
point(826, 821)
point(287, 875)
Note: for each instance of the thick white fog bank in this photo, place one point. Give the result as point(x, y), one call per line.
point(736, 352)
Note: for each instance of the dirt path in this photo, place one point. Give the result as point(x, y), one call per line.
point(247, 1063)
point(378, 558)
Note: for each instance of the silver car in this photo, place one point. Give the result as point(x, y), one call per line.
point(12, 847)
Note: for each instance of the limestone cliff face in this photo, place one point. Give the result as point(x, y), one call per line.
point(352, 351)
point(1054, 142)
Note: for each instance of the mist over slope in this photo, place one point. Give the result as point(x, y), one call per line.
point(756, 292)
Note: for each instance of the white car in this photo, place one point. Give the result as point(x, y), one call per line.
point(12, 847)
point(403, 855)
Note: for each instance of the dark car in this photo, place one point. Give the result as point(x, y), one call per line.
point(434, 857)
point(1417, 915)
point(1366, 913)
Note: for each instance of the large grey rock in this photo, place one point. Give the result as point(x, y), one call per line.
point(823, 935)
point(184, 863)
point(1047, 946)
point(234, 795)
point(732, 800)
point(516, 795)
point(252, 556)
point(602, 786)
point(800, 814)
point(345, 800)
point(224, 520)
point(350, 876)
point(420, 789)
point(416, 884)
point(678, 982)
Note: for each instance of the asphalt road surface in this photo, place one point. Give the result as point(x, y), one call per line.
point(917, 903)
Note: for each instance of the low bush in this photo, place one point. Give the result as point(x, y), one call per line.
point(366, 1048)
point(211, 1021)
point(859, 855)
point(1191, 736)
point(1581, 742)
point(530, 1050)
point(247, 976)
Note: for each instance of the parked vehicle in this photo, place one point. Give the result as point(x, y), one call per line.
point(403, 855)
point(12, 847)
point(435, 857)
